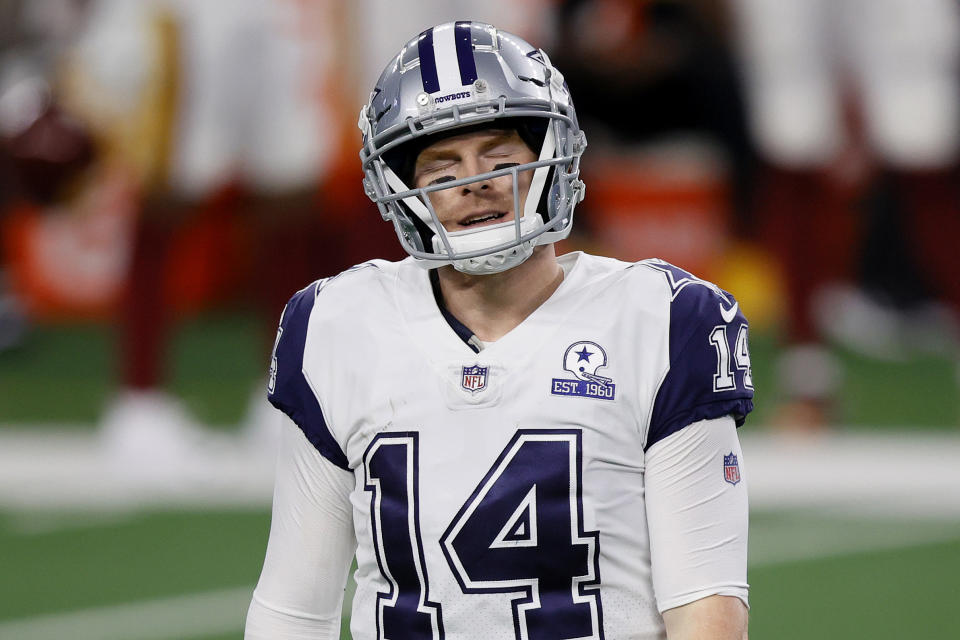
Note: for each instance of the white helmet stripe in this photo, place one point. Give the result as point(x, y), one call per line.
point(445, 54)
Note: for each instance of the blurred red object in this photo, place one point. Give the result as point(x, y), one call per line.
point(73, 263)
point(669, 208)
point(48, 154)
point(70, 260)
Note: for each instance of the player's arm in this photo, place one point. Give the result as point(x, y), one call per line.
point(711, 618)
point(697, 518)
point(311, 545)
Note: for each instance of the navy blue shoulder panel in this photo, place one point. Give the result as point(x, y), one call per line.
point(709, 374)
point(287, 387)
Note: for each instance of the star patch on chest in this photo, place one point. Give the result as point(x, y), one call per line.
point(583, 359)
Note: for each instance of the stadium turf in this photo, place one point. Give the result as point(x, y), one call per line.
point(62, 562)
point(897, 593)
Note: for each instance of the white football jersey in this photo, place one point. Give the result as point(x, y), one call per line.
point(499, 492)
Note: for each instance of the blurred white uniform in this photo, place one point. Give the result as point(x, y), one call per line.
point(248, 81)
point(260, 80)
point(901, 56)
point(250, 105)
point(193, 95)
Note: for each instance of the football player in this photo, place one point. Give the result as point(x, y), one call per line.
point(512, 444)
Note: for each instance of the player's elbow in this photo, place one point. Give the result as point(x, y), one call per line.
point(715, 617)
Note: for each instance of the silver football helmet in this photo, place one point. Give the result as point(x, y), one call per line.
point(470, 74)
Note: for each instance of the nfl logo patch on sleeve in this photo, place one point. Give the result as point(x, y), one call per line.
point(731, 470)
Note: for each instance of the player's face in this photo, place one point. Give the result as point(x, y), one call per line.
point(478, 203)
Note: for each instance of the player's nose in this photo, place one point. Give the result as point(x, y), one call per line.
point(472, 166)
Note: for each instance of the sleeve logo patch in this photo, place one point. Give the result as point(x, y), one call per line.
point(583, 359)
point(272, 376)
point(731, 470)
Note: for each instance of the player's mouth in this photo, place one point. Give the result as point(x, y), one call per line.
point(484, 217)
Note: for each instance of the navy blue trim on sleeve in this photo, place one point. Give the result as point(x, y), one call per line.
point(707, 377)
point(288, 389)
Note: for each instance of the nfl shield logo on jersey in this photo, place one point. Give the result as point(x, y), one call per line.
point(474, 378)
point(731, 470)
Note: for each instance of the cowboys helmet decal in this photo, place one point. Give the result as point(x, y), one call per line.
point(583, 359)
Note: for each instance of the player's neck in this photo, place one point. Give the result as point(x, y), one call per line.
point(493, 305)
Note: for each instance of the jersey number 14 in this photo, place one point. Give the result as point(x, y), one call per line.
point(520, 532)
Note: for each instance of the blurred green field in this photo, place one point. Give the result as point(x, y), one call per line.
point(214, 362)
point(198, 570)
point(218, 360)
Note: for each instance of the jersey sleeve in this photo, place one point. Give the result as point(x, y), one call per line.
point(709, 364)
point(312, 542)
point(288, 388)
point(697, 514)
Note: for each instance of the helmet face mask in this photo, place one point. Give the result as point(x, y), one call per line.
point(455, 78)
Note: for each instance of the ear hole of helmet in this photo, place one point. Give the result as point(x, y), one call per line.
point(424, 234)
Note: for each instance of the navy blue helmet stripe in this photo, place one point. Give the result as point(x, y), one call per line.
point(468, 66)
point(428, 62)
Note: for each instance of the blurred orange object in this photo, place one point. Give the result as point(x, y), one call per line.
point(209, 257)
point(70, 261)
point(670, 206)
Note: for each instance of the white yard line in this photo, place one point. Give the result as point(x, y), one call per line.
point(78, 469)
point(176, 618)
point(776, 545)
point(904, 474)
point(34, 523)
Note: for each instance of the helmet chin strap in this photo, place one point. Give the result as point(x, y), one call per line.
point(469, 240)
point(597, 378)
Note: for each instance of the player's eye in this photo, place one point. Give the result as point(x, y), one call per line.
point(505, 165)
point(442, 179)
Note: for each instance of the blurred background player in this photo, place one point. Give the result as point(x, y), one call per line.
point(45, 153)
point(222, 106)
point(237, 150)
point(840, 93)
